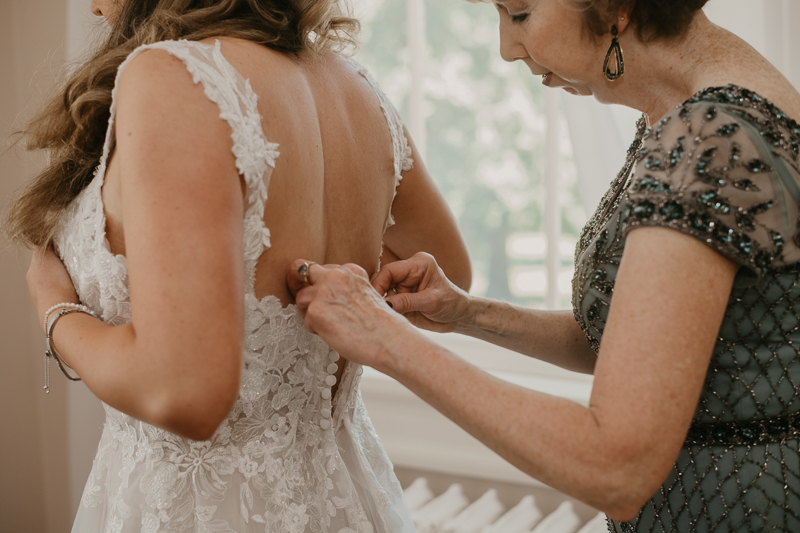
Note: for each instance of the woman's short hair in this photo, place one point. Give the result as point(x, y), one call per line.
point(653, 19)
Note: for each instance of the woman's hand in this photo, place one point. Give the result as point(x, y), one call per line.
point(340, 305)
point(418, 289)
point(49, 282)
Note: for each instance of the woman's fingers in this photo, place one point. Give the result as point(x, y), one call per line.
point(403, 302)
point(394, 275)
point(303, 300)
point(301, 274)
point(356, 269)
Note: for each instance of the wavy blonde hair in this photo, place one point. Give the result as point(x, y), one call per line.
point(72, 125)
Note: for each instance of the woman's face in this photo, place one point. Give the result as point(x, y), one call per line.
point(547, 36)
point(108, 9)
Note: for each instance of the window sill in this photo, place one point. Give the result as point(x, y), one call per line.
point(417, 436)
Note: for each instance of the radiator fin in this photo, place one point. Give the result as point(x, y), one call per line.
point(451, 512)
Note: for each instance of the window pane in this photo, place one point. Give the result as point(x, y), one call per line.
point(484, 140)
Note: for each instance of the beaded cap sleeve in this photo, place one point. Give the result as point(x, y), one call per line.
point(723, 167)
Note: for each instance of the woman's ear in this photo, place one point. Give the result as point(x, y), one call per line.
point(623, 19)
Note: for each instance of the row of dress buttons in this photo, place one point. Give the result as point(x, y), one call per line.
point(330, 381)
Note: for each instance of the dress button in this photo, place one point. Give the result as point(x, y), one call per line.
point(326, 394)
point(330, 380)
point(325, 412)
point(332, 368)
point(324, 423)
point(333, 356)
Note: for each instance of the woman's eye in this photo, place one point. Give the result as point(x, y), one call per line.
point(519, 18)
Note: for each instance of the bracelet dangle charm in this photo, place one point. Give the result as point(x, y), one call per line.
point(50, 352)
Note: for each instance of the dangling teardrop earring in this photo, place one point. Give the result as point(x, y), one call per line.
point(618, 59)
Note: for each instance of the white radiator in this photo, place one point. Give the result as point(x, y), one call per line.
point(452, 512)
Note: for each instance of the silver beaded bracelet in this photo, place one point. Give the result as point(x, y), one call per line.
point(66, 308)
point(69, 305)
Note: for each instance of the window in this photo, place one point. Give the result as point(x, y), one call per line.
point(496, 143)
point(494, 140)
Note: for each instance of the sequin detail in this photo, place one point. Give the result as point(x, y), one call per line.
point(775, 429)
point(722, 167)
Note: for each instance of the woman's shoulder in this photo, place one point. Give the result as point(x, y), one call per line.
point(723, 167)
point(732, 121)
point(741, 109)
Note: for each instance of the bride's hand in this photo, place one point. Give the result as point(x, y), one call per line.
point(340, 305)
point(418, 289)
point(48, 281)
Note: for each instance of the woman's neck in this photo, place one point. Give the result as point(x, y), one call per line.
point(663, 74)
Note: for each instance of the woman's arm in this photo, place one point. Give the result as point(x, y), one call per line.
point(429, 300)
point(551, 336)
point(177, 364)
point(424, 223)
point(670, 297)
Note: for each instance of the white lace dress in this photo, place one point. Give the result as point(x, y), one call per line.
point(289, 458)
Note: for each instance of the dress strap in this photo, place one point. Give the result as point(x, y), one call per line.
point(238, 104)
point(402, 150)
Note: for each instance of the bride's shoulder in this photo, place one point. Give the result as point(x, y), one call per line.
point(161, 63)
point(162, 83)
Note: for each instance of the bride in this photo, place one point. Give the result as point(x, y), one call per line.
point(204, 146)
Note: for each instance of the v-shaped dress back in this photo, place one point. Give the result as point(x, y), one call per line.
point(289, 457)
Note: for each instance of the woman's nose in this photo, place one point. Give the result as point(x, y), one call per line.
point(510, 50)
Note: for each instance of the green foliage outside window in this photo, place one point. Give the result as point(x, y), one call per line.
point(485, 132)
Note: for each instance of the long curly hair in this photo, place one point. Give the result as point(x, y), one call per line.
point(71, 127)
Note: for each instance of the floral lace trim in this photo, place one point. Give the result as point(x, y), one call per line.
point(273, 458)
point(255, 156)
point(402, 150)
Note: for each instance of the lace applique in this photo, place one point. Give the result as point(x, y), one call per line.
point(275, 463)
point(402, 150)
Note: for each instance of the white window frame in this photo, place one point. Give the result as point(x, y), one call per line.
point(414, 434)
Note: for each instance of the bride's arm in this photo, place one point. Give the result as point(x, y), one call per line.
point(177, 364)
point(424, 223)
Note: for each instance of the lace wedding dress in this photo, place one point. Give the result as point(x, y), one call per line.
point(289, 457)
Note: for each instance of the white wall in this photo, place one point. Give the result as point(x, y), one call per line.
point(33, 456)
point(769, 26)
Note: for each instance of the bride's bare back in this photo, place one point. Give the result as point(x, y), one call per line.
point(174, 198)
point(210, 204)
point(333, 184)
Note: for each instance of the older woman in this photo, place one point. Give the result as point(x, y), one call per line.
point(694, 417)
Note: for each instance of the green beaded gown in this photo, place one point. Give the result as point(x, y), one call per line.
point(724, 168)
